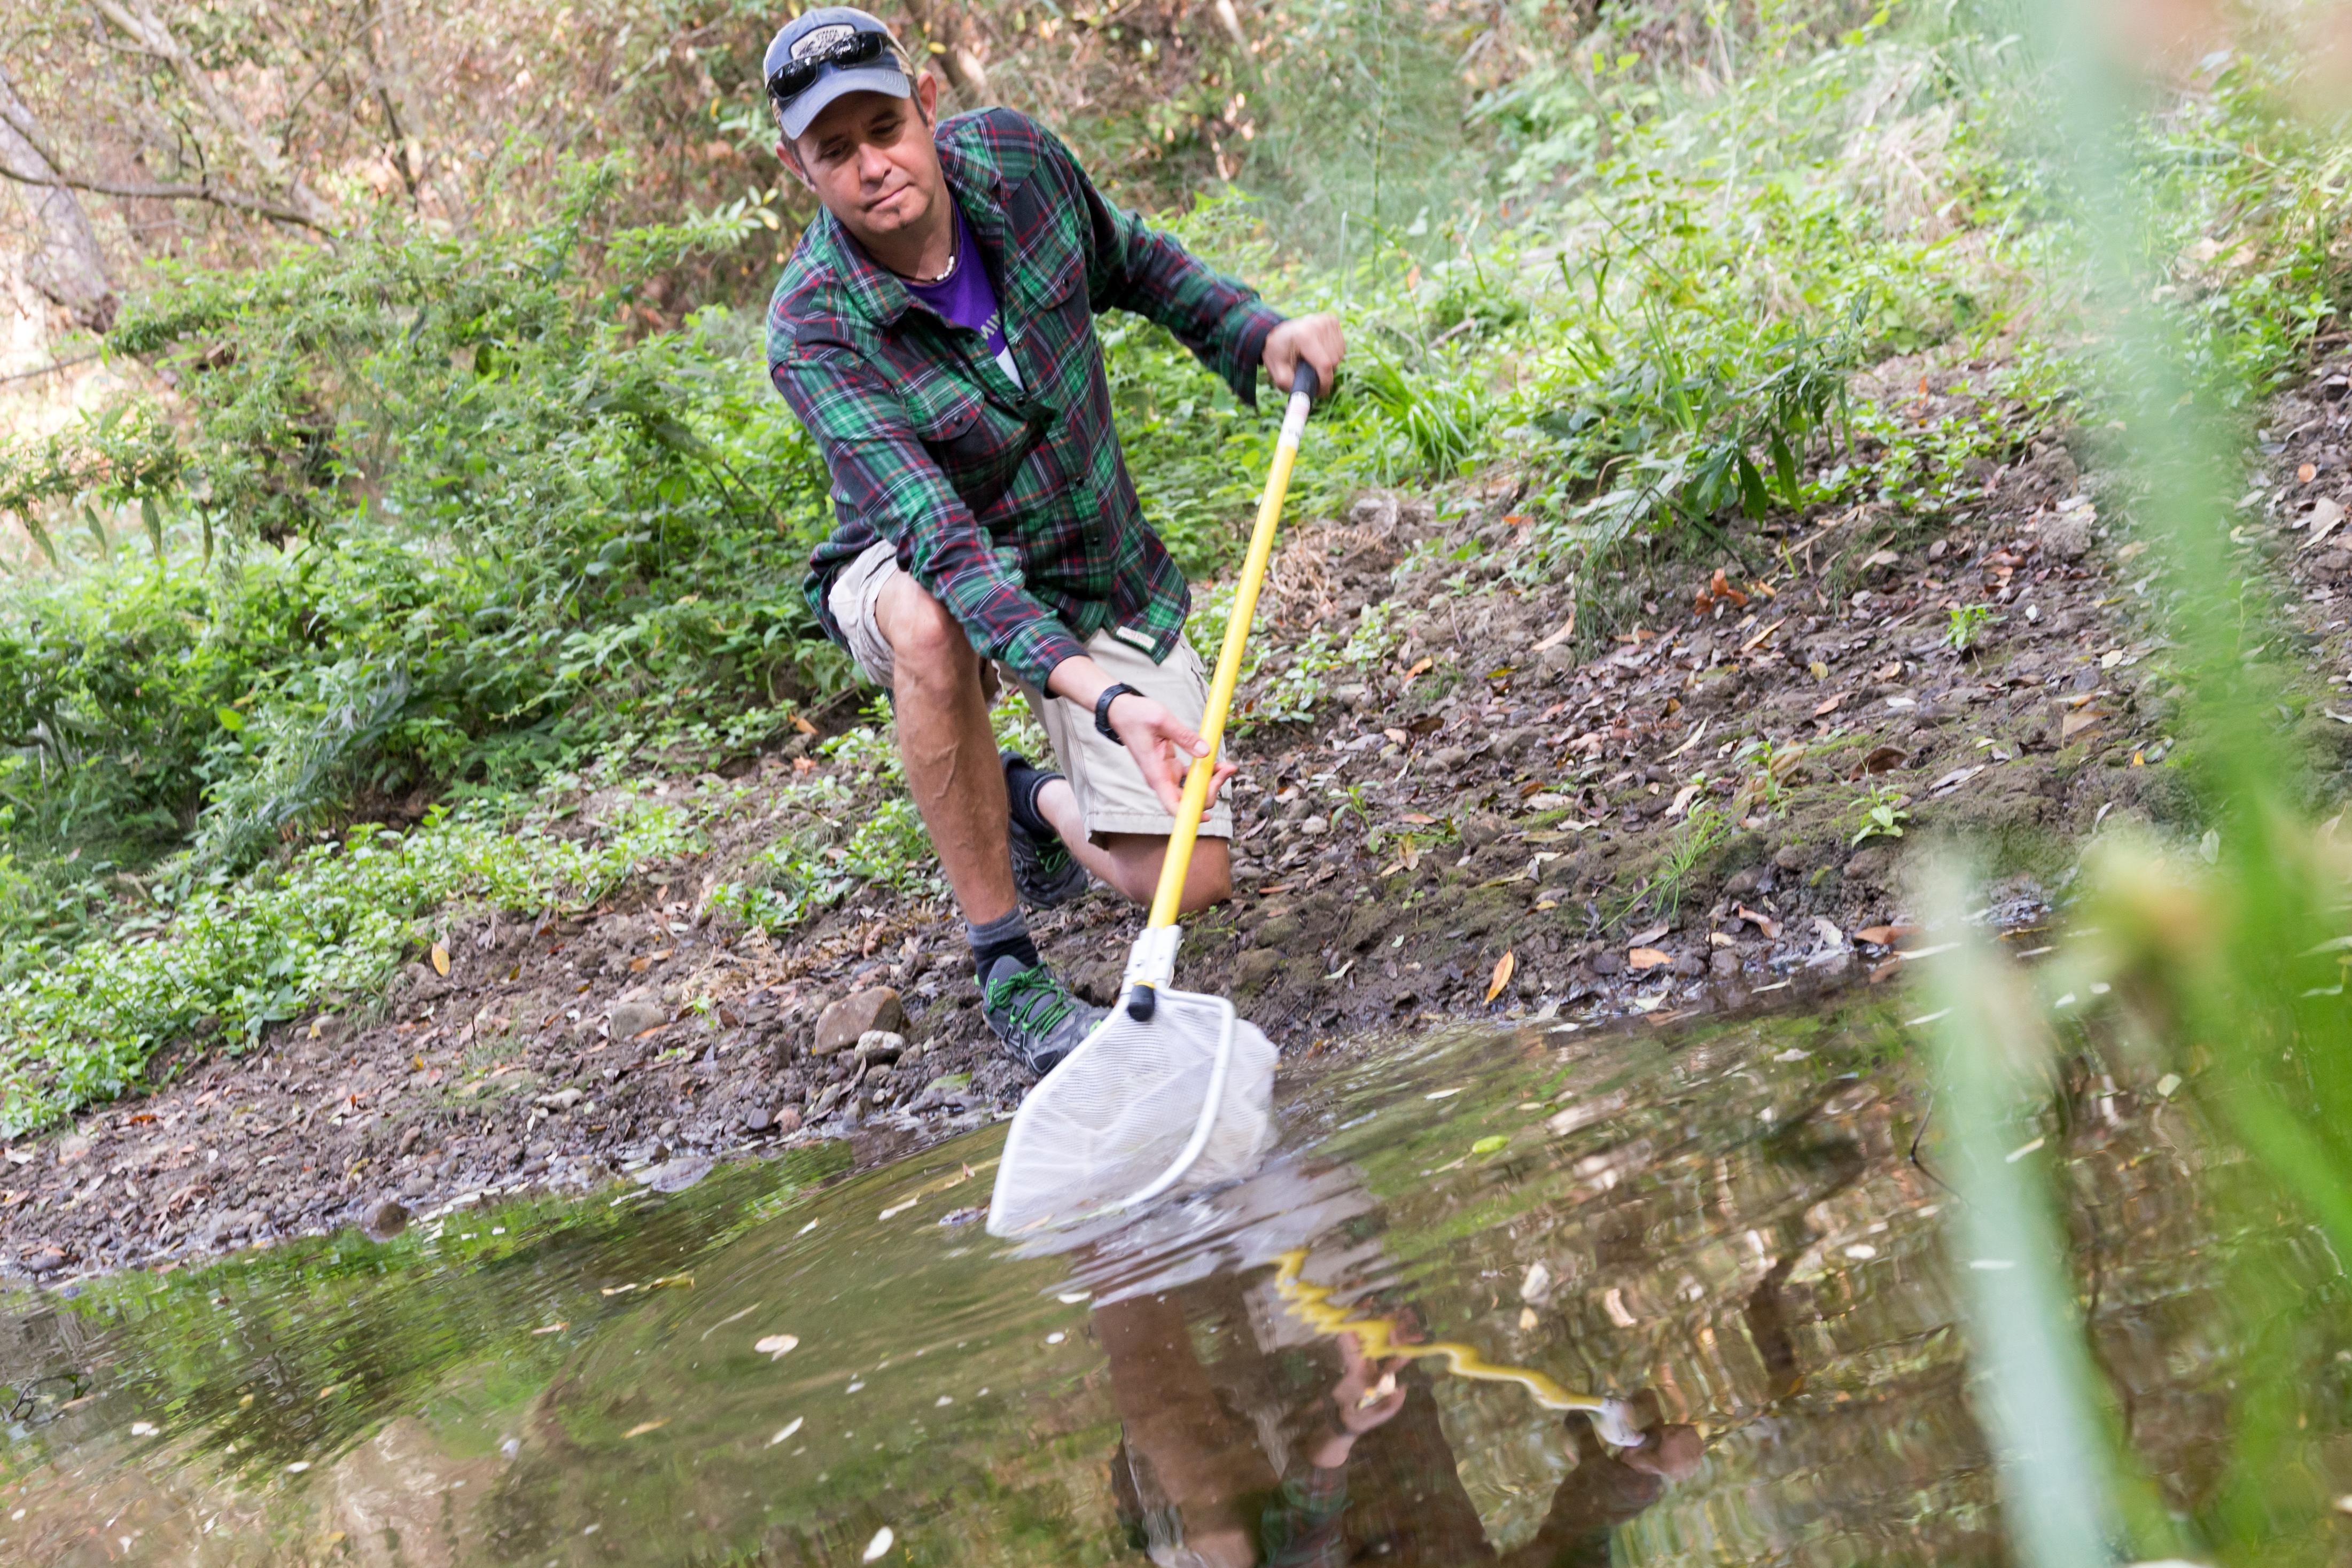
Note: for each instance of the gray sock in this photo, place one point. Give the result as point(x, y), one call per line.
point(1007, 934)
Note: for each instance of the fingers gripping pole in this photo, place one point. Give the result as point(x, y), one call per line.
point(1149, 953)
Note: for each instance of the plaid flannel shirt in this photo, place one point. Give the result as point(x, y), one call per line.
point(1011, 504)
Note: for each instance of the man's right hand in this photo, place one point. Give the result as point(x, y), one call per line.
point(1164, 747)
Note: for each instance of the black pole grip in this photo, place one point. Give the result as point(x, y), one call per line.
point(1304, 379)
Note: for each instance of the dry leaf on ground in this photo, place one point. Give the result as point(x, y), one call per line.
point(1647, 958)
point(1503, 968)
point(776, 1345)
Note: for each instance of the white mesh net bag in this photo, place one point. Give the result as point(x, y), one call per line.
point(1184, 1099)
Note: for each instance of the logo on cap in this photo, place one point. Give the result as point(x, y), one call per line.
point(819, 40)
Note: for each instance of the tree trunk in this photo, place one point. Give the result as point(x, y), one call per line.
point(66, 264)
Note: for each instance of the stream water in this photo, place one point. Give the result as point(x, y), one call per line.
point(1727, 1226)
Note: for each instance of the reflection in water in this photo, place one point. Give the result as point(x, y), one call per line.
point(1725, 1230)
point(1222, 1464)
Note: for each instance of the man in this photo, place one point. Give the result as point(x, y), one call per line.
point(935, 331)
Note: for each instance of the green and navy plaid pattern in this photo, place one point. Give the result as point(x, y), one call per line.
point(1011, 504)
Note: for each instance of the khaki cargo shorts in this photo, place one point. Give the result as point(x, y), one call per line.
point(1112, 796)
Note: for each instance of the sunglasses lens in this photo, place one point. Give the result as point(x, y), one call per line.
point(798, 77)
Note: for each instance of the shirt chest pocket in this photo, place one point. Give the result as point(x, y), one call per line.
point(978, 445)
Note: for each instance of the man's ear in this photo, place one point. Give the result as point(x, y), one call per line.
point(790, 157)
point(926, 97)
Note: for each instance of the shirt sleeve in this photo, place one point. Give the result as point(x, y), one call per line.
point(883, 474)
point(1300, 1528)
point(1133, 266)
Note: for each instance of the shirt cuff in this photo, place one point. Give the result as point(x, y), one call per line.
point(1258, 321)
point(1034, 651)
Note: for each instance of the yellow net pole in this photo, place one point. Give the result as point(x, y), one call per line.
point(1171, 893)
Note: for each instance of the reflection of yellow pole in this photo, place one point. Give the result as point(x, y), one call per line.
point(1311, 1304)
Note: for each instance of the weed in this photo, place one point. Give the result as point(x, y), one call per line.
point(1703, 831)
point(1878, 813)
point(1966, 623)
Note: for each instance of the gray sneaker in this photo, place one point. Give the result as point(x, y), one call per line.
point(1033, 1013)
point(1045, 873)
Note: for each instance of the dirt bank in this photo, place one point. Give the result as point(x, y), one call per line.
point(1498, 815)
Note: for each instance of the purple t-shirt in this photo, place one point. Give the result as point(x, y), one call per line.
point(964, 297)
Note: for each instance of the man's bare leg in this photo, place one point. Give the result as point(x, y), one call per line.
point(1130, 862)
point(948, 749)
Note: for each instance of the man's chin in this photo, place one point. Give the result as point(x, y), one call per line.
point(888, 217)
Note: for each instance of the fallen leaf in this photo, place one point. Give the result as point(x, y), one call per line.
point(1885, 759)
point(1887, 670)
point(1955, 778)
point(1822, 709)
point(1535, 1281)
point(1566, 630)
point(1752, 643)
point(1647, 958)
point(2325, 514)
point(777, 1344)
point(804, 726)
point(642, 1428)
point(1397, 736)
point(879, 1544)
point(1758, 919)
point(1885, 935)
point(550, 1328)
point(1487, 1145)
point(1421, 667)
point(789, 1427)
point(2075, 724)
point(1818, 670)
point(440, 959)
point(1420, 819)
point(1881, 558)
point(1503, 968)
point(1826, 929)
point(2307, 473)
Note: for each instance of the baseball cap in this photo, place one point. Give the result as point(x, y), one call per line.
point(834, 49)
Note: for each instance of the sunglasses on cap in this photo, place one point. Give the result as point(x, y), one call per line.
point(797, 77)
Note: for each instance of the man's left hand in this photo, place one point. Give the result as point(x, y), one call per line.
point(1317, 339)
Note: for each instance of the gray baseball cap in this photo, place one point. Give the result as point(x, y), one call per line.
point(826, 53)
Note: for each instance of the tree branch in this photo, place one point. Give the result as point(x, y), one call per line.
point(219, 195)
point(137, 21)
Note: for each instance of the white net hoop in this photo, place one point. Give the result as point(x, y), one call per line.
point(1138, 1109)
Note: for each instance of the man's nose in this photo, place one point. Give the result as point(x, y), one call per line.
point(873, 163)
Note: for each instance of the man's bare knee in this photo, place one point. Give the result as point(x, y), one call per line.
point(926, 641)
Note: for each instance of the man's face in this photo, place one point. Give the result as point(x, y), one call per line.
point(870, 159)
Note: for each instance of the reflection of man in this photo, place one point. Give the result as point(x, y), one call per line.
point(1366, 1473)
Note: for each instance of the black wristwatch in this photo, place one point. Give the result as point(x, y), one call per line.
point(1111, 694)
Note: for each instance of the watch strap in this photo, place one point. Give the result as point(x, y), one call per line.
point(1111, 693)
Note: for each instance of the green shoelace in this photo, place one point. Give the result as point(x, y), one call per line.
point(1034, 999)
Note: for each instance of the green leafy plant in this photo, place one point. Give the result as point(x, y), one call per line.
point(1879, 812)
point(1966, 624)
